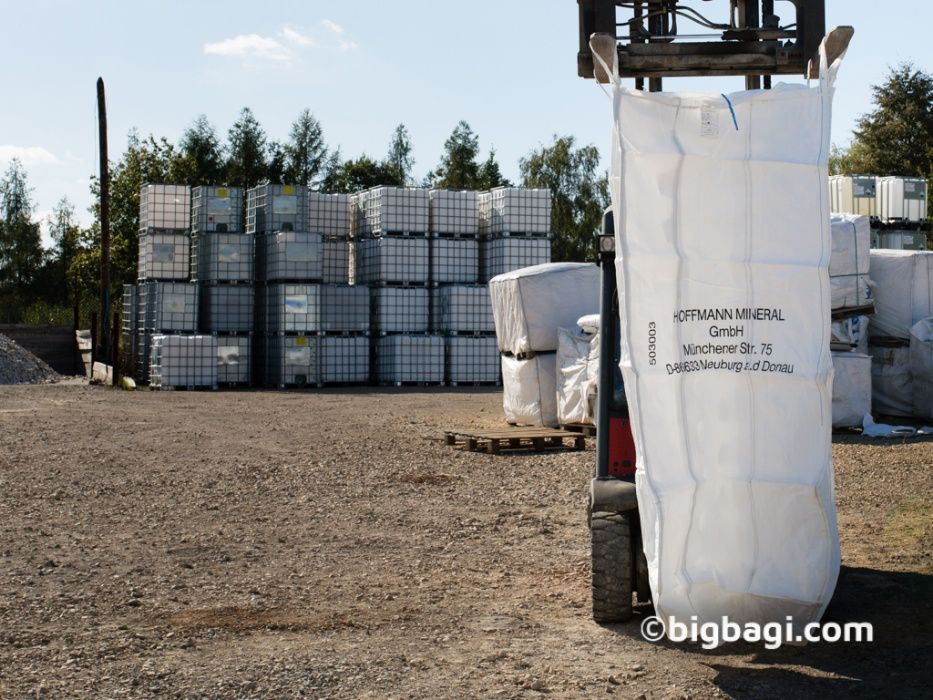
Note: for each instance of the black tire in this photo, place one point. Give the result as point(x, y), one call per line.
point(612, 566)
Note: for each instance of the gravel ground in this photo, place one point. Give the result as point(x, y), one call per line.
point(19, 366)
point(328, 544)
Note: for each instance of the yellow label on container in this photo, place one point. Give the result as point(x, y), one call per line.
point(222, 192)
point(301, 341)
point(288, 189)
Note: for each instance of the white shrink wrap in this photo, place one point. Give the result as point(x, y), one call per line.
point(852, 331)
point(851, 388)
point(892, 387)
point(903, 290)
point(530, 304)
point(848, 263)
point(529, 393)
point(577, 377)
point(921, 367)
point(725, 311)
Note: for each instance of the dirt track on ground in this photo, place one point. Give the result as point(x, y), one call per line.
point(329, 544)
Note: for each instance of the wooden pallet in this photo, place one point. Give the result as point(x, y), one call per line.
point(526, 439)
point(584, 428)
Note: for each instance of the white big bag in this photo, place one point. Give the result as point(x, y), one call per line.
point(723, 245)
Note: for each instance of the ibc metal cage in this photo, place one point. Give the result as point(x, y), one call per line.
point(410, 359)
point(183, 361)
point(164, 256)
point(165, 208)
point(223, 257)
point(392, 260)
point(329, 214)
point(216, 210)
point(902, 200)
point(291, 361)
point(454, 260)
point(853, 194)
point(272, 208)
point(168, 306)
point(400, 309)
point(500, 255)
point(234, 366)
point(452, 212)
point(472, 360)
point(344, 360)
point(290, 308)
point(290, 256)
point(336, 259)
point(515, 210)
point(461, 309)
point(393, 210)
point(345, 309)
point(227, 308)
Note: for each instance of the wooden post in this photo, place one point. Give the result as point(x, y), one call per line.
point(93, 338)
point(104, 217)
point(115, 348)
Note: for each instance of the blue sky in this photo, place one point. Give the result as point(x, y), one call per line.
point(507, 67)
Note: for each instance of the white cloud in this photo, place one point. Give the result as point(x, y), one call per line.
point(28, 155)
point(347, 45)
point(333, 27)
point(295, 37)
point(249, 46)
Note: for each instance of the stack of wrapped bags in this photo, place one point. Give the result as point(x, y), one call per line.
point(546, 357)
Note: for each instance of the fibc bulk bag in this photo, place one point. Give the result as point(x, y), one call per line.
point(848, 263)
point(529, 390)
point(577, 376)
point(851, 388)
point(531, 303)
point(892, 385)
point(722, 237)
point(903, 290)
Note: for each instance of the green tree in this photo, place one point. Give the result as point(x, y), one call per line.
point(399, 160)
point(276, 166)
point(579, 195)
point(246, 164)
point(66, 242)
point(489, 175)
point(200, 156)
point(21, 253)
point(359, 174)
point(458, 169)
point(305, 152)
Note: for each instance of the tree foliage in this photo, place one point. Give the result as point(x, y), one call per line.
point(399, 161)
point(305, 153)
point(458, 169)
point(21, 255)
point(579, 194)
point(896, 137)
point(246, 164)
point(200, 158)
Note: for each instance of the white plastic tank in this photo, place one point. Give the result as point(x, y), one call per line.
point(902, 199)
point(853, 194)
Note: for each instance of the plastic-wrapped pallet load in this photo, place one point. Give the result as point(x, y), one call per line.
point(853, 332)
point(921, 367)
point(725, 320)
point(848, 263)
point(530, 304)
point(577, 376)
point(188, 361)
point(903, 290)
point(851, 388)
point(529, 390)
point(892, 387)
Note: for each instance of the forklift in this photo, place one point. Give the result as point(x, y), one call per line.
point(751, 40)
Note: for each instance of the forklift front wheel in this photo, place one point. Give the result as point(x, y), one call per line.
point(612, 566)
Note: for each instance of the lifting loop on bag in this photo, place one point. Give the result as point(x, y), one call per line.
point(603, 47)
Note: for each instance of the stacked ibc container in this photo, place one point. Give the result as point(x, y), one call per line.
point(289, 269)
point(515, 227)
point(343, 334)
point(392, 257)
point(460, 307)
point(222, 262)
point(902, 209)
point(166, 303)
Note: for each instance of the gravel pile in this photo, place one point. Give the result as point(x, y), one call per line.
point(19, 366)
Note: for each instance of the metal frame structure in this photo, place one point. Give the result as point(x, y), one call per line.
point(751, 41)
